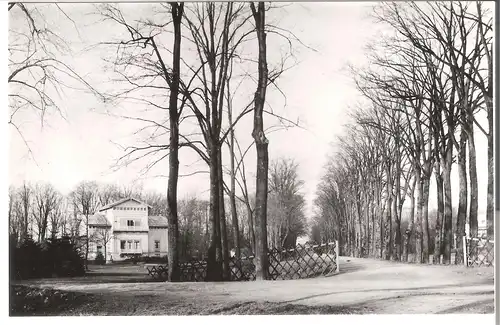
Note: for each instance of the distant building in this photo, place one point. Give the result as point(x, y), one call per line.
point(125, 228)
point(482, 228)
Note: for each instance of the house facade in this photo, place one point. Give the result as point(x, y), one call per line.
point(124, 228)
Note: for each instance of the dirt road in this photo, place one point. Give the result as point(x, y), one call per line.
point(363, 286)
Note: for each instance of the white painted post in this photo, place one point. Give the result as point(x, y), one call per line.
point(337, 256)
point(464, 240)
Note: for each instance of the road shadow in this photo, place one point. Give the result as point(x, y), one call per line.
point(392, 290)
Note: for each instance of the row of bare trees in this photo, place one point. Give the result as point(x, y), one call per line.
point(39, 211)
point(427, 89)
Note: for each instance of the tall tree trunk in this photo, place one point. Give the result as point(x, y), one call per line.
point(86, 242)
point(397, 238)
point(490, 198)
point(367, 231)
point(388, 216)
point(418, 220)
point(374, 251)
point(232, 193)
point(360, 224)
point(173, 161)
point(488, 98)
point(440, 213)
point(447, 229)
point(232, 197)
point(409, 231)
point(261, 143)
point(396, 213)
point(381, 229)
point(425, 219)
point(473, 205)
point(251, 228)
point(214, 265)
point(226, 272)
point(462, 196)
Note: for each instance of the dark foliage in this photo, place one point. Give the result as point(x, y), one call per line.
point(156, 259)
point(132, 257)
point(99, 259)
point(53, 257)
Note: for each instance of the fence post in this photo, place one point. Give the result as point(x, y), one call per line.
point(337, 256)
point(464, 241)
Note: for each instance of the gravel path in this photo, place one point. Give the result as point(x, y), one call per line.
point(363, 286)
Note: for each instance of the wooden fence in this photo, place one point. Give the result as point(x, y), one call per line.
point(302, 261)
point(479, 251)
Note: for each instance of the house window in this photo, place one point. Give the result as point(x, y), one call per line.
point(157, 244)
point(122, 244)
point(99, 248)
point(130, 223)
point(137, 244)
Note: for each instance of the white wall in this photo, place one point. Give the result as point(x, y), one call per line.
point(118, 237)
point(129, 210)
point(160, 234)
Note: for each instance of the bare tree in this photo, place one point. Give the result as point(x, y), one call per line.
point(85, 201)
point(177, 10)
point(102, 235)
point(286, 204)
point(261, 144)
point(45, 202)
point(56, 218)
point(26, 197)
point(36, 74)
point(15, 214)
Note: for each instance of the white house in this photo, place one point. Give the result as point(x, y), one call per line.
point(125, 228)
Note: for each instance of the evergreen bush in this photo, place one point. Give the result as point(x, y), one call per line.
point(99, 259)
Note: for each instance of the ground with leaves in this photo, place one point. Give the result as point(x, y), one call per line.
point(363, 286)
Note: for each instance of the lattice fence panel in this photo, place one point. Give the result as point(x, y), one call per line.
point(242, 269)
point(193, 271)
point(480, 251)
point(303, 261)
point(300, 262)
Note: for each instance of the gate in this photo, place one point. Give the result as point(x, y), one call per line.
point(479, 251)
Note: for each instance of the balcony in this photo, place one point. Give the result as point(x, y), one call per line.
point(119, 227)
point(131, 251)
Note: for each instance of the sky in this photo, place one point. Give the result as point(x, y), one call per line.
point(319, 93)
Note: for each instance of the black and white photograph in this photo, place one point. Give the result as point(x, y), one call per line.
point(250, 158)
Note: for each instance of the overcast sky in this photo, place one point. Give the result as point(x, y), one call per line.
point(318, 94)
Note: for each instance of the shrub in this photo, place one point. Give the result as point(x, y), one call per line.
point(53, 257)
point(65, 258)
point(99, 259)
point(131, 257)
point(27, 260)
point(156, 259)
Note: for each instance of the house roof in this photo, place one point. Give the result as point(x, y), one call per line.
point(98, 219)
point(157, 222)
point(111, 205)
